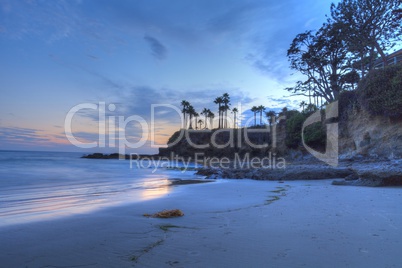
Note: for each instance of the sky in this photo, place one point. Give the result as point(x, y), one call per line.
point(99, 75)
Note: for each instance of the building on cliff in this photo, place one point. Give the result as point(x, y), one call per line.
point(393, 58)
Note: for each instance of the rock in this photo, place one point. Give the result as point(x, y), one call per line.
point(383, 177)
point(352, 177)
point(341, 182)
point(207, 172)
point(374, 174)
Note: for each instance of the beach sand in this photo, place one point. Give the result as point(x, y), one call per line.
point(227, 223)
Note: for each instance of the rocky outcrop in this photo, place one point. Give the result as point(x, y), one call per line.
point(360, 173)
point(375, 173)
point(291, 172)
point(363, 135)
point(220, 143)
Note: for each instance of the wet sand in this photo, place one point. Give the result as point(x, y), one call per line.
point(236, 223)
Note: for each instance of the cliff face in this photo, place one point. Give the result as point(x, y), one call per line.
point(370, 136)
point(223, 142)
point(360, 134)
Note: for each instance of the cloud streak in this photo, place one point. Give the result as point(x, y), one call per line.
point(158, 50)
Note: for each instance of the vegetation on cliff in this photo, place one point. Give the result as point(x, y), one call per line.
point(380, 92)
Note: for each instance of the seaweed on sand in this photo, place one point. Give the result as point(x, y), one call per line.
point(166, 214)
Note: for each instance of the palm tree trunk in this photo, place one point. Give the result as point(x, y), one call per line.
point(219, 116)
point(227, 119)
point(234, 121)
point(260, 117)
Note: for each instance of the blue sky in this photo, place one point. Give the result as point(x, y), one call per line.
point(132, 54)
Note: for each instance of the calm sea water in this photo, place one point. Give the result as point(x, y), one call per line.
point(42, 185)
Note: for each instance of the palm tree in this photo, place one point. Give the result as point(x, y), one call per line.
point(284, 111)
point(261, 109)
point(222, 112)
point(200, 122)
point(184, 110)
point(254, 109)
point(206, 112)
point(196, 115)
point(311, 108)
point(302, 104)
point(191, 112)
point(219, 101)
point(226, 103)
point(211, 116)
point(271, 117)
point(234, 111)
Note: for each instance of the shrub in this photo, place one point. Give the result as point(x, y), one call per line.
point(294, 125)
point(315, 136)
point(347, 103)
point(380, 92)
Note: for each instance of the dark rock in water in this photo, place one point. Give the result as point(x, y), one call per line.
point(106, 156)
point(119, 156)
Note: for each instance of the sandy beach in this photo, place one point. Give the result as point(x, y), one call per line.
point(227, 223)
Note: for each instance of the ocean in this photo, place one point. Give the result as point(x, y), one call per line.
point(38, 186)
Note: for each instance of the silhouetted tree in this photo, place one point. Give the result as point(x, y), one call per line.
point(234, 111)
point(226, 107)
point(191, 112)
point(196, 115)
point(206, 112)
point(219, 101)
point(261, 109)
point(270, 116)
point(322, 58)
point(302, 104)
point(200, 122)
point(369, 27)
point(254, 109)
point(185, 104)
point(211, 116)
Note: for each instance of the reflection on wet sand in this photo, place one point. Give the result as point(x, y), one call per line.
point(153, 193)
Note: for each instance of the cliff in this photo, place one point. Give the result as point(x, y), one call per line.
point(225, 142)
point(364, 135)
point(361, 135)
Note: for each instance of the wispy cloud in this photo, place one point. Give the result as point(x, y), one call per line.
point(235, 18)
point(275, 103)
point(53, 20)
point(158, 50)
point(27, 135)
point(30, 137)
